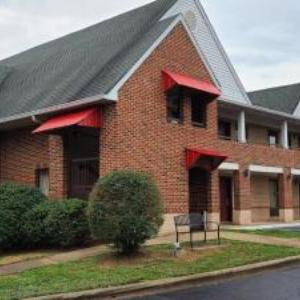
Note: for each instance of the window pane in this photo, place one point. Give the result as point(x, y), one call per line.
point(224, 129)
point(174, 105)
point(198, 110)
point(273, 138)
point(42, 180)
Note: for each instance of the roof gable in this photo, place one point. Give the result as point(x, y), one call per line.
point(211, 48)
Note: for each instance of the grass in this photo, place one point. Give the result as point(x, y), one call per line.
point(155, 262)
point(286, 233)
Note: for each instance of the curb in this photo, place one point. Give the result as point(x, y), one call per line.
point(168, 283)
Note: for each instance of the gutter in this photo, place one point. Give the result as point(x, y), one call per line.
point(56, 108)
point(260, 109)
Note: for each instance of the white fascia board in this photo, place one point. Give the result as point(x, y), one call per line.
point(227, 166)
point(114, 93)
point(265, 169)
point(296, 112)
point(255, 108)
point(295, 172)
point(98, 99)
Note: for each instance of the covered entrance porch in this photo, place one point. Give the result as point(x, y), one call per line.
point(74, 148)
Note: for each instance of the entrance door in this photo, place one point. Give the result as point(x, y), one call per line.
point(84, 173)
point(274, 198)
point(82, 151)
point(226, 199)
point(198, 192)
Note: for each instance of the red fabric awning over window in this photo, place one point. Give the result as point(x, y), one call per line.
point(170, 79)
point(207, 159)
point(89, 117)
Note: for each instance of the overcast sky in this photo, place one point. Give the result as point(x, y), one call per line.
point(260, 36)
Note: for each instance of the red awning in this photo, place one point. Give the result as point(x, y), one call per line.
point(89, 117)
point(207, 159)
point(170, 79)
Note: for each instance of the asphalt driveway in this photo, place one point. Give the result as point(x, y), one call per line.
point(277, 284)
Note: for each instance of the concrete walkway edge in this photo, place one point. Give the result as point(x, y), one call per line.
point(171, 282)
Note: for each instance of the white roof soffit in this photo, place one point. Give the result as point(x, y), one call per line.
point(259, 169)
point(209, 44)
point(227, 166)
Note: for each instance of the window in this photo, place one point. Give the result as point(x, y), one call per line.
point(198, 110)
point(175, 106)
point(273, 138)
point(298, 141)
point(225, 130)
point(291, 138)
point(42, 180)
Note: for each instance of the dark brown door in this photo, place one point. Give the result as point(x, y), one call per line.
point(274, 198)
point(226, 199)
point(198, 182)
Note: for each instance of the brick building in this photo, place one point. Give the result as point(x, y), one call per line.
point(151, 90)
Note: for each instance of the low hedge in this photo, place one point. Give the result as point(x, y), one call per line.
point(58, 224)
point(15, 201)
point(28, 219)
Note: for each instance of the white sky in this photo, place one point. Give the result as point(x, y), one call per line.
point(260, 36)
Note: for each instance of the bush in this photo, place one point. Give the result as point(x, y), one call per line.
point(58, 224)
point(15, 201)
point(125, 209)
point(34, 225)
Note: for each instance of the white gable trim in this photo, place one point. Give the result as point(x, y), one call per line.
point(222, 50)
point(114, 93)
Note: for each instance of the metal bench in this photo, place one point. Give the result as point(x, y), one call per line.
point(195, 222)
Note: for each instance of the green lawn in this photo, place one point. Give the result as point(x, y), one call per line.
point(287, 234)
point(156, 262)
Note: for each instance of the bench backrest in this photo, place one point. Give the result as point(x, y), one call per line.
point(194, 220)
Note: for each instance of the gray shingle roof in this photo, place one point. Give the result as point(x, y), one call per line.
point(284, 98)
point(86, 63)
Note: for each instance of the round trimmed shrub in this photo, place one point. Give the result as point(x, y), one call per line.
point(58, 224)
point(15, 201)
point(125, 209)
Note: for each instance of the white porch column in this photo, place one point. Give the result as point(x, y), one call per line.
point(284, 135)
point(242, 128)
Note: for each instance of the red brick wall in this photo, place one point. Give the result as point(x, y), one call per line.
point(21, 153)
point(136, 133)
point(137, 136)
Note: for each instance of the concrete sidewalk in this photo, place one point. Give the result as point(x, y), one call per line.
point(52, 260)
point(168, 239)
